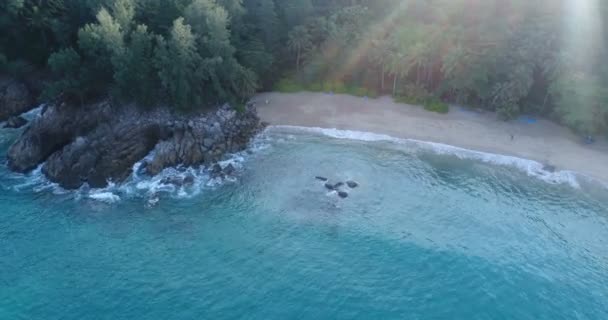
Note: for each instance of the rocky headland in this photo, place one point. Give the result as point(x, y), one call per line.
point(100, 142)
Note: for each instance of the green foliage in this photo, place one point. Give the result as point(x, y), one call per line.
point(413, 94)
point(3, 63)
point(287, 85)
point(290, 85)
point(124, 12)
point(66, 68)
point(263, 15)
point(99, 43)
point(299, 42)
point(135, 76)
point(506, 56)
point(582, 103)
point(295, 12)
point(435, 105)
point(508, 111)
point(178, 63)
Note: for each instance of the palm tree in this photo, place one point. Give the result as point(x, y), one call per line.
point(398, 66)
point(418, 57)
point(380, 55)
point(298, 42)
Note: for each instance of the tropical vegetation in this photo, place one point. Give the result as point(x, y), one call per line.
point(510, 56)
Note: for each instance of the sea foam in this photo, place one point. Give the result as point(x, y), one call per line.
point(154, 188)
point(530, 167)
point(138, 185)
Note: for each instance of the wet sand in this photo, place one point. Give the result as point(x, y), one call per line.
point(543, 141)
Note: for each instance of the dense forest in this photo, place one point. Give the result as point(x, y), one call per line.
point(513, 57)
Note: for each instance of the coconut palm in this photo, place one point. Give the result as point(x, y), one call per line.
point(380, 57)
point(298, 42)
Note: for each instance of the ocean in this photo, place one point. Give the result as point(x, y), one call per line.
point(430, 232)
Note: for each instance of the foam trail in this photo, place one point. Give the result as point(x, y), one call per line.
point(152, 189)
point(107, 197)
point(530, 167)
point(33, 114)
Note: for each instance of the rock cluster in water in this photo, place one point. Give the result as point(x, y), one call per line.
point(100, 142)
point(336, 186)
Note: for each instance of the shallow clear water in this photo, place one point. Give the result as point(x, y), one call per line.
point(425, 236)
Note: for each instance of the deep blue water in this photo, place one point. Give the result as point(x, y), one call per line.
point(425, 236)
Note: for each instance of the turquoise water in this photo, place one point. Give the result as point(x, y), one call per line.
point(425, 236)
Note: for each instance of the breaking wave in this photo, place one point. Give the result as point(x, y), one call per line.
point(530, 167)
point(153, 189)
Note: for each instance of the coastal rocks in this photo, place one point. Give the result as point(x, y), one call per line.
point(108, 153)
point(335, 188)
point(15, 123)
point(217, 172)
point(205, 139)
point(229, 170)
point(178, 181)
point(57, 127)
point(15, 98)
point(100, 142)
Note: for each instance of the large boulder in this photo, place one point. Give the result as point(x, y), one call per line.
point(57, 127)
point(205, 139)
point(15, 98)
point(106, 154)
point(184, 147)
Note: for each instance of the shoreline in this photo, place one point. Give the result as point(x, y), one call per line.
point(543, 141)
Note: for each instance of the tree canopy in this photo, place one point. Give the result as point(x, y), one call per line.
point(509, 56)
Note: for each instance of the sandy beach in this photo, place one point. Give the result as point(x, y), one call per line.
point(542, 141)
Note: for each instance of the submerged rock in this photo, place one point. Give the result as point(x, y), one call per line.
point(216, 171)
point(15, 122)
point(329, 186)
point(352, 184)
point(178, 181)
point(189, 180)
point(229, 170)
point(338, 185)
point(549, 168)
point(343, 194)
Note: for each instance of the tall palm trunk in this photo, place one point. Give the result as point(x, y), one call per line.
point(545, 99)
point(298, 61)
point(395, 85)
point(382, 80)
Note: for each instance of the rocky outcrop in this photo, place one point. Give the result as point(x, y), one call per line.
point(100, 142)
point(204, 139)
point(108, 153)
point(15, 98)
point(58, 126)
